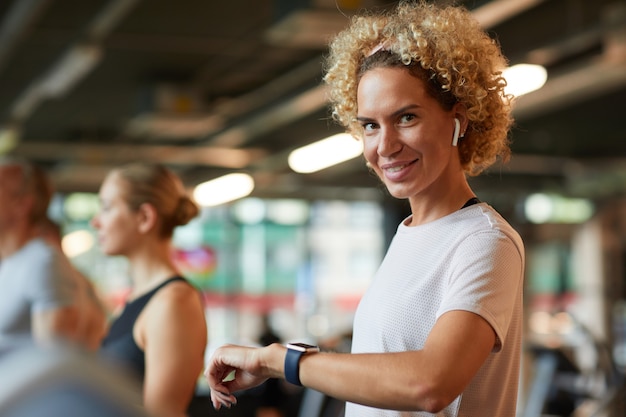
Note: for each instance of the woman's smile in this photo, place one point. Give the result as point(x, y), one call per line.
point(397, 171)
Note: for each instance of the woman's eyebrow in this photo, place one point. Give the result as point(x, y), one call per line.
point(396, 113)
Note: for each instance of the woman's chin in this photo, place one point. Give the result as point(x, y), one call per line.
point(397, 192)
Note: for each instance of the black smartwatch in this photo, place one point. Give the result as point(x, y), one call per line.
point(292, 360)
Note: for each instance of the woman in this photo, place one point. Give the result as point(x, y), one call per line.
point(161, 334)
point(439, 330)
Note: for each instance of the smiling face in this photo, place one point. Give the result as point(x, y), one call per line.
point(116, 223)
point(407, 134)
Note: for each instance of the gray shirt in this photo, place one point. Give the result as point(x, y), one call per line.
point(35, 278)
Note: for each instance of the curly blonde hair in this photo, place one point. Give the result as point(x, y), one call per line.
point(449, 51)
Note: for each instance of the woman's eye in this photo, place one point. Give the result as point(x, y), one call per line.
point(405, 118)
point(368, 126)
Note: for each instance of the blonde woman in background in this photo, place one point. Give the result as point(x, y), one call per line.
point(161, 333)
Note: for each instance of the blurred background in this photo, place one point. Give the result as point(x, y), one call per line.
point(228, 90)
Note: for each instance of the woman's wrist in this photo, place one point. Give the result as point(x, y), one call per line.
point(274, 360)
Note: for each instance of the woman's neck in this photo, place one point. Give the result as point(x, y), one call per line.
point(150, 267)
point(428, 207)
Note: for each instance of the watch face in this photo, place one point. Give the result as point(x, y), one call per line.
point(303, 347)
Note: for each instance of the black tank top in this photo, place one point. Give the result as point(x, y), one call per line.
point(119, 345)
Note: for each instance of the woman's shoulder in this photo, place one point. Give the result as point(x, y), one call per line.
point(176, 303)
point(177, 290)
point(176, 296)
point(482, 216)
point(485, 224)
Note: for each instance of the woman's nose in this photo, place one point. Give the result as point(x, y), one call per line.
point(94, 222)
point(388, 143)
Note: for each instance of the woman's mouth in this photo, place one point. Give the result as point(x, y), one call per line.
point(397, 168)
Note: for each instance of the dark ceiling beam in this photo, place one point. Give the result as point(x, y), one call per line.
point(272, 91)
point(592, 178)
point(96, 154)
point(84, 50)
point(266, 117)
point(272, 118)
point(495, 12)
point(583, 83)
point(108, 18)
point(17, 21)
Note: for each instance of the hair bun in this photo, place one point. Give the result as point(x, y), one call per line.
point(185, 211)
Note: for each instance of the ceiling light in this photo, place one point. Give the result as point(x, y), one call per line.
point(72, 67)
point(523, 78)
point(223, 189)
point(325, 153)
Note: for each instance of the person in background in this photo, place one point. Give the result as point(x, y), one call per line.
point(92, 321)
point(38, 289)
point(439, 330)
point(161, 334)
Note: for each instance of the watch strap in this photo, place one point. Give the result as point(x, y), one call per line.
point(292, 366)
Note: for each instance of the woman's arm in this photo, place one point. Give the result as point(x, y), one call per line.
point(428, 379)
point(55, 325)
point(175, 340)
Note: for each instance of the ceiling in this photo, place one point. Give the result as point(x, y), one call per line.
point(214, 87)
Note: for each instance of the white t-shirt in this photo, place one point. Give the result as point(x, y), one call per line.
point(470, 260)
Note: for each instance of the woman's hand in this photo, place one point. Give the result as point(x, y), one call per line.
point(235, 368)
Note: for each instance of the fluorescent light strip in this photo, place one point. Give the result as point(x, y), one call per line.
point(524, 78)
point(325, 153)
point(223, 189)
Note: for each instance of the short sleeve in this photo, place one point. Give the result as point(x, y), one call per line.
point(485, 279)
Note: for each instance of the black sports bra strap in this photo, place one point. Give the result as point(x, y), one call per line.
point(470, 202)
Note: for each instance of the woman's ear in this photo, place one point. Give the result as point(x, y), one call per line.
point(460, 113)
point(147, 217)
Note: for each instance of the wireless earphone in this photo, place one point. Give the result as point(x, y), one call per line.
point(457, 129)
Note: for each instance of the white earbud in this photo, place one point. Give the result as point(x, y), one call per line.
point(457, 129)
